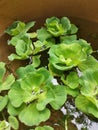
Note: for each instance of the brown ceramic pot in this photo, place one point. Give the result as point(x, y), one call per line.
point(38, 10)
point(11, 10)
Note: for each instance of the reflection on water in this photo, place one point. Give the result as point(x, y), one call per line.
point(80, 120)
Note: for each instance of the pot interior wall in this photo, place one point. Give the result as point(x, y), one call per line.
point(35, 9)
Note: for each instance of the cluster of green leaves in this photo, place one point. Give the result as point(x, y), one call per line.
point(5, 85)
point(34, 90)
point(70, 63)
point(21, 39)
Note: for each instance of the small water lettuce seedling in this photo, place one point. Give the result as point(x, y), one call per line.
point(35, 90)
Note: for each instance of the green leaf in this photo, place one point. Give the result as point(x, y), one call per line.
point(89, 63)
point(39, 46)
point(15, 28)
point(86, 46)
point(72, 92)
point(6, 85)
point(68, 39)
point(14, 40)
point(29, 25)
point(32, 81)
point(19, 27)
point(13, 57)
point(3, 102)
point(36, 60)
point(86, 106)
point(31, 116)
point(24, 47)
point(21, 48)
point(13, 111)
point(72, 80)
point(2, 70)
point(16, 95)
point(22, 71)
point(72, 83)
point(89, 83)
point(46, 74)
point(13, 122)
point(54, 71)
point(21, 39)
point(44, 100)
point(4, 125)
point(60, 96)
point(95, 75)
point(49, 42)
point(31, 35)
point(65, 23)
point(43, 34)
point(44, 128)
point(73, 29)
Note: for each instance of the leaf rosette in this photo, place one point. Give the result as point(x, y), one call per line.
point(87, 101)
point(19, 28)
point(21, 40)
point(58, 27)
point(64, 57)
point(35, 90)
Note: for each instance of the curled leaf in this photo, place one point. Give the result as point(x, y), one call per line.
point(13, 122)
point(31, 116)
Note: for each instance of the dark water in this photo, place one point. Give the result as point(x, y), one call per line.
point(68, 116)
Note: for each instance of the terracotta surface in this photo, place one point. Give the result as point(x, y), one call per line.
point(11, 10)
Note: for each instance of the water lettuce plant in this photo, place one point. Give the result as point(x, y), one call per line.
point(59, 65)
